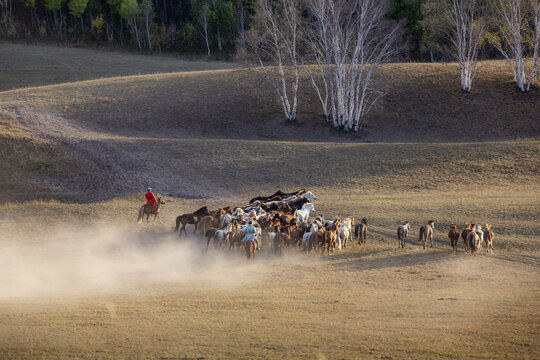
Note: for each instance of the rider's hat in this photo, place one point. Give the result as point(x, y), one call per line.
point(149, 189)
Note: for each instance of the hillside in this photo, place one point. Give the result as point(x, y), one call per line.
point(65, 140)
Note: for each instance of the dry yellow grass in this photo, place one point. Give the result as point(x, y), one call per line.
point(80, 280)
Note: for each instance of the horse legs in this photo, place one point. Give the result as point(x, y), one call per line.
point(431, 240)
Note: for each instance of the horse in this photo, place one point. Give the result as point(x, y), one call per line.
point(303, 214)
point(316, 241)
point(281, 240)
point(150, 210)
point(192, 218)
point(278, 193)
point(345, 232)
point(210, 221)
point(488, 238)
point(474, 242)
point(453, 235)
point(426, 232)
point(298, 203)
point(478, 230)
point(251, 250)
point(330, 237)
point(221, 236)
point(402, 231)
point(360, 231)
point(309, 196)
point(464, 234)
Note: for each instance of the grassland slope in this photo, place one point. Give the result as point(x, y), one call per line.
point(179, 130)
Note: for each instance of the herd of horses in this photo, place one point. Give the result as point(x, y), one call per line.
point(282, 221)
point(473, 237)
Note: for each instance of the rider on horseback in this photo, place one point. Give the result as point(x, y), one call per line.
point(251, 233)
point(151, 198)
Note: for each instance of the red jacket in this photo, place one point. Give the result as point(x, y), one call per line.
point(151, 199)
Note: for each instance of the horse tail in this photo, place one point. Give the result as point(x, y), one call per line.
point(177, 222)
point(422, 234)
point(141, 214)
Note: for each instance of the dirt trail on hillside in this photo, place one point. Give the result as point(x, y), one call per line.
point(110, 165)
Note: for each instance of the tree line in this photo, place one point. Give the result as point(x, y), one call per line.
point(214, 27)
point(340, 44)
point(337, 44)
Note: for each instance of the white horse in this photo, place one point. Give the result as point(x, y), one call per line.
point(289, 199)
point(344, 232)
point(238, 212)
point(225, 220)
point(221, 234)
point(303, 213)
point(480, 233)
point(309, 195)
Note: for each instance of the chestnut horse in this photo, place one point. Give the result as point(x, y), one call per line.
point(453, 235)
point(251, 250)
point(150, 210)
point(474, 242)
point(488, 238)
point(211, 221)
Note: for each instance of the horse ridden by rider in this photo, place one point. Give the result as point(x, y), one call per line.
point(250, 234)
point(151, 207)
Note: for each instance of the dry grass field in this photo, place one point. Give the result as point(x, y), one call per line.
point(80, 280)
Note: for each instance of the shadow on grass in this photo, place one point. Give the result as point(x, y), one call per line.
point(357, 261)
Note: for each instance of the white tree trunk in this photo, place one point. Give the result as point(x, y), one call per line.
point(280, 43)
point(148, 31)
point(205, 27)
point(466, 38)
point(512, 15)
point(535, 5)
point(350, 38)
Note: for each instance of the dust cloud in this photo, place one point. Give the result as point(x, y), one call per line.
point(110, 259)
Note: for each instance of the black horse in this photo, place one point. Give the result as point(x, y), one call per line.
point(192, 218)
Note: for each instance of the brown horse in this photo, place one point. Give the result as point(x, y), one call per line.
point(150, 210)
point(488, 238)
point(360, 231)
point(426, 232)
point(211, 221)
point(192, 218)
point(464, 234)
point(474, 242)
point(330, 238)
point(251, 250)
point(316, 241)
point(453, 235)
point(281, 240)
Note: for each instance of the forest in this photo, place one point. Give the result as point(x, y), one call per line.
point(217, 27)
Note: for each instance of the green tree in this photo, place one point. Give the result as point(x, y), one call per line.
point(147, 11)
point(129, 10)
point(77, 8)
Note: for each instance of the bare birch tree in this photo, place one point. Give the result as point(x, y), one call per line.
point(466, 34)
point(275, 42)
point(535, 6)
point(515, 33)
point(351, 38)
